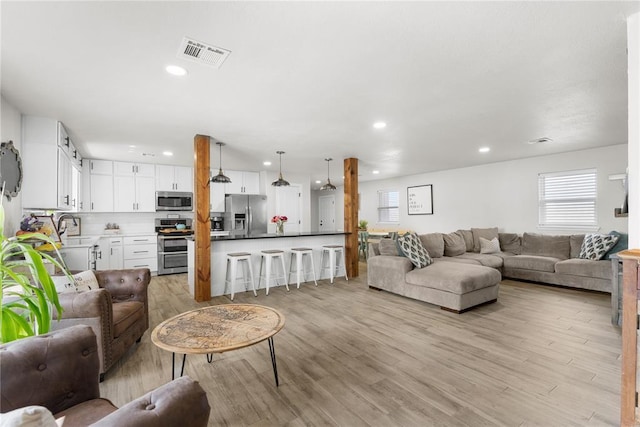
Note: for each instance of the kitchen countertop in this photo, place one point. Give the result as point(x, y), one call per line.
point(92, 240)
point(274, 235)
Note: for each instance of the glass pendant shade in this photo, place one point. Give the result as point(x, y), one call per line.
point(328, 186)
point(280, 182)
point(221, 178)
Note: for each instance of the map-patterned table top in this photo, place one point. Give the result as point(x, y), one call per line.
point(217, 329)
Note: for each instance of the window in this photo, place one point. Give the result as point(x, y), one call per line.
point(567, 199)
point(388, 206)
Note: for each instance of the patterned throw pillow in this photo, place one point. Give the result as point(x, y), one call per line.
point(82, 282)
point(411, 246)
point(489, 246)
point(595, 246)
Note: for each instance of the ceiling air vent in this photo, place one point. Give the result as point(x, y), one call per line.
point(202, 53)
point(539, 141)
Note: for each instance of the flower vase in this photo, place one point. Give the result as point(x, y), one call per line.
point(280, 228)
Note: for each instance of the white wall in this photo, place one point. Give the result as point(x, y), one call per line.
point(11, 130)
point(501, 194)
point(633, 45)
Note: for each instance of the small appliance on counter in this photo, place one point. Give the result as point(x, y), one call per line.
point(217, 223)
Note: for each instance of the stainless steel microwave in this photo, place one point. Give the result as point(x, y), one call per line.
point(174, 201)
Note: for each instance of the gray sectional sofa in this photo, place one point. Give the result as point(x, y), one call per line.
point(462, 277)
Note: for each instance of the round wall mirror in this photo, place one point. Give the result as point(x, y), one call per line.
point(10, 169)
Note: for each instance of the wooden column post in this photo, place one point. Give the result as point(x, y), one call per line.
point(201, 220)
point(629, 363)
point(351, 215)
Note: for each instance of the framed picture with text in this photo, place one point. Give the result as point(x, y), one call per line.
point(420, 200)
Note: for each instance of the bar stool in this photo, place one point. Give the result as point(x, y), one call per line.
point(333, 251)
point(232, 271)
point(268, 256)
point(299, 254)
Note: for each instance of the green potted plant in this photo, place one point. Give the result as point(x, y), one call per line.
point(362, 224)
point(28, 292)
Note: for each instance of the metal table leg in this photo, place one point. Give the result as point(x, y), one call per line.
point(173, 365)
point(272, 352)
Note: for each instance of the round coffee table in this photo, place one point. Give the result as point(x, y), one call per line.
point(217, 329)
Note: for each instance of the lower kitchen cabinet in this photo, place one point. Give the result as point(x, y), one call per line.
point(141, 252)
point(116, 255)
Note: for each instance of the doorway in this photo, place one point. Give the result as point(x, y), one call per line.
point(327, 214)
point(289, 204)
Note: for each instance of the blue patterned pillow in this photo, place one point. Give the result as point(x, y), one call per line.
point(595, 246)
point(412, 248)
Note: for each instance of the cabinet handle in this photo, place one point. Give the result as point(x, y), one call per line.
point(140, 252)
point(66, 141)
point(141, 266)
point(66, 199)
point(99, 254)
point(81, 205)
point(75, 154)
point(73, 203)
point(111, 251)
point(91, 205)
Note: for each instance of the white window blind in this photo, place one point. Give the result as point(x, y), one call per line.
point(568, 199)
point(388, 206)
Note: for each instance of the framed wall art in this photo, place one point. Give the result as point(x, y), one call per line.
point(420, 200)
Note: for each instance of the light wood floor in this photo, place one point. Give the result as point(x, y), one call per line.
point(351, 356)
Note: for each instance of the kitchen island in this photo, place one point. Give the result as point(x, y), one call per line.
point(222, 245)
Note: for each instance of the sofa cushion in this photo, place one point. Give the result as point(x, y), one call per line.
point(487, 233)
point(575, 241)
point(585, 268)
point(489, 246)
point(457, 278)
point(488, 260)
point(454, 244)
point(467, 235)
point(459, 259)
point(546, 246)
point(510, 242)
point(532, 262)
point(80, 282)
point(411, 246)
point(433, 243)
point(595, 246)
point(126, 314)
point(87, 412)
point(389, 247)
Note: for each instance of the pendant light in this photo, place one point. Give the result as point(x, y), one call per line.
point(328, 186)
point(221, 178)
point(280, 182)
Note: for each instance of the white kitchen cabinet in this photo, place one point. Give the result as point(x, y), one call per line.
point(100, 186)
point(77, 190)
point(78, 258)
point(174, 178)
point(141, 252)
point(243, 182)
point(134, 187)
point(216, 197)
point(102, 254)
point(46, 164)
point(116, 258)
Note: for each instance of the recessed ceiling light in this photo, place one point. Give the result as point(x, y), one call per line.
point(175, 70)
point(484, 149)
point(132, 146)
point(167, 153)
point(318, 182)
point(379, 125)
point(267, 163)
point(375, 172)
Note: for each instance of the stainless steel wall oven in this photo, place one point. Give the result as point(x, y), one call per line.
point(172, 244)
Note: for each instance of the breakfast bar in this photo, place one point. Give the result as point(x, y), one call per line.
point(254, 244)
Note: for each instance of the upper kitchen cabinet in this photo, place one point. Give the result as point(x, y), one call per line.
point(174, 178)
point(100, 185)
point(48, 169)
point(134, 187)
point(243, 182)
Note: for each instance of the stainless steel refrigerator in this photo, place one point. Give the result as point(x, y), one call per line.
point(245, 214)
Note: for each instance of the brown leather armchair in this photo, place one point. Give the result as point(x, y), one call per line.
point(60, 372)
point(118, 312)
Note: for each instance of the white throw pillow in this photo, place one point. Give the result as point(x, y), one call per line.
point(84, 281)
point(489, 246)
point(29, 416)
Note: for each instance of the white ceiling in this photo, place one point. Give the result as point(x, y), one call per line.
point(310, 78)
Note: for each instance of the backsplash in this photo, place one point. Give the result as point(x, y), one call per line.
point(128, 223)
